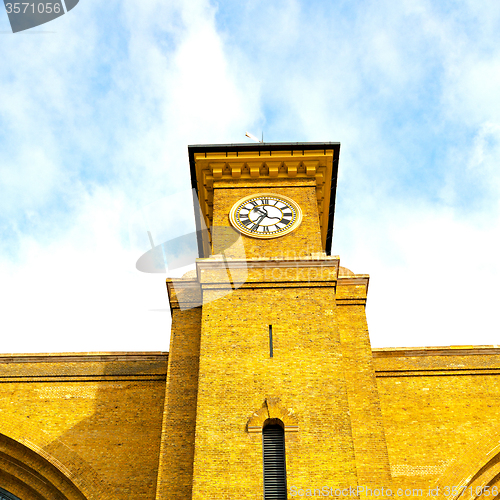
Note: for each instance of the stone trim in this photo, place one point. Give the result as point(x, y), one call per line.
point(465, 350)
point(82, 357)
point(436, 361)
point(359, 279)
point(351, 302)
point(449, 372)
point(59, 379)
point(272, 409)
point(218, 262)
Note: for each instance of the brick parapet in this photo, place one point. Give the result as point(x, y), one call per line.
point(83, 366)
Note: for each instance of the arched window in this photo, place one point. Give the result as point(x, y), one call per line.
point(273, 439)
point(5, 495)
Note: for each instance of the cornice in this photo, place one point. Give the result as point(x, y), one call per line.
point(83, 367)
point(219, 262)
point(448, 372)
point(437, 361)
point(358, 279)
point(237, 162)
point(314, 271)
point(82, 357)
point(184, 293)
point(468, 350)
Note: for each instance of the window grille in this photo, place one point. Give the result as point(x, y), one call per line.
point(273, 438)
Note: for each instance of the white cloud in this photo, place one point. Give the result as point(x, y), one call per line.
point(99, 114)
point(433, 277)
point(91, 139)
point(82, 291)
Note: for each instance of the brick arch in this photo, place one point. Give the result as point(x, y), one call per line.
point(273, 410)
point(477, 468)
point(27, 474)
point(63, 458)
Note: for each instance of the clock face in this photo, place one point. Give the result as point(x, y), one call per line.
point(265, 215)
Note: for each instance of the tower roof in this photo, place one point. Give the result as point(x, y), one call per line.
point(317, 160)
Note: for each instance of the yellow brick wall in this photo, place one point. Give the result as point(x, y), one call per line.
point(237, 375)
point(372, 462)
point(177, 450)
point(440, 413)
point(95, 417)
point(288, 283)
point(305, 240)
point(126, 426)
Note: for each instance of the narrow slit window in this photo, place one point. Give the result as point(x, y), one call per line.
point(273, 438)
point(270, 341)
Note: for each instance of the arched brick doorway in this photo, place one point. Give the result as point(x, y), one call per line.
point(25, 474)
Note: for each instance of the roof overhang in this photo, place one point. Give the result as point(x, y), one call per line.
point(318, 160)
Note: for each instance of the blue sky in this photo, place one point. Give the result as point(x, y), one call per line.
point(97, 109)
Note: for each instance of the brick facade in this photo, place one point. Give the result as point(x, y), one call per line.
point(81, 424)
point(188, 424)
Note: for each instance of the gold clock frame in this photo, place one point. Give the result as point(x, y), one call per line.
point(288, 230)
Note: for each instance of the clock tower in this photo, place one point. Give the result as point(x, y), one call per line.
point(271, 388)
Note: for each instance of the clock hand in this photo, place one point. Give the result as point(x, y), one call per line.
point(267, 215)
point(263, 211)
point(259, 211)
point(258, 221)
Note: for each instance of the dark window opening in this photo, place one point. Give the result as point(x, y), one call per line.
point(273, 438)
point(270, 341)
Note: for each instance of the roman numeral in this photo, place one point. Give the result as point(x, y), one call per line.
point(287, 214)
point(254, 228)
point(246, 221)
point(285, 221)
point(265, 229)
point(265, 201)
